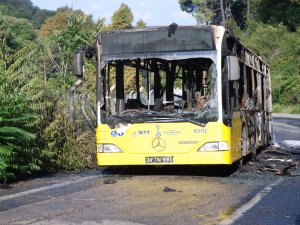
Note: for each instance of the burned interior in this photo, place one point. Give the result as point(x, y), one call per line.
point(158, 89)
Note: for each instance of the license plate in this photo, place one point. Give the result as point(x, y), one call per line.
point(159, 159)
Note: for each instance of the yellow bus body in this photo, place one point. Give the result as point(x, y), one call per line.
point(182, 142)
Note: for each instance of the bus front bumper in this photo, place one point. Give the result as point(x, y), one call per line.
point(196, 158)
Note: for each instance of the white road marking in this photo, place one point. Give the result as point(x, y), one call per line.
point(246, 207)
point(45, 188)
point(291, 143)
point(104, 222)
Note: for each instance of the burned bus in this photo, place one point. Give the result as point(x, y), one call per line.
point(178, 95)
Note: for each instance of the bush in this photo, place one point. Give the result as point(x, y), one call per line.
point(66, 149)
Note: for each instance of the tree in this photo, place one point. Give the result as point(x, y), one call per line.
point(140, 24)
point(16, 32)
point(15, 150)
point(60, 20)
point(285, 11)
point(122, 18)
point(215, 11)
point(202, 10)
point(18, 152)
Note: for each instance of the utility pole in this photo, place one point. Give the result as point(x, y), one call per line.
point(248, 10)
point(222, 12)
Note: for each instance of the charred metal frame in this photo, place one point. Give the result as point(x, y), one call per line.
point(254, 98)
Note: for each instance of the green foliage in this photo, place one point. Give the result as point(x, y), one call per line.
point(202, 10)
point(140, 24)
point(68, 30)
point(277, 11)
point(18, 154)
point(24, 9)
point(62, 19)
point(122, 18)
point(293, 109)
point(254, 6)
point(267, 11)
point(16, 32)
point(209, 11)
point(40, 75)
point(66, 149)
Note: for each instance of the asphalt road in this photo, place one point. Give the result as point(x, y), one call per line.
point(282, 205)
point(286, 128)
point(176, 195)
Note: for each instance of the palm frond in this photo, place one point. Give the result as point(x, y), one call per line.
point(14, 131)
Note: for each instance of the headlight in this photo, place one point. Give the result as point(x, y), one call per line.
point(214, 146)
point(108, 148)
point(223, 146)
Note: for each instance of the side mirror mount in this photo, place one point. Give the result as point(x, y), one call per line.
point(233, 68)
point(77, 65)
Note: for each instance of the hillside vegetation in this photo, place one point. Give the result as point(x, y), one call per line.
point(25, 9)
point(36, 48)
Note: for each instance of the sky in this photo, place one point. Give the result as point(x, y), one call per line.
point(153, 12)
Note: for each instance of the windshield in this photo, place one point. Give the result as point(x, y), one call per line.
point(158, 90)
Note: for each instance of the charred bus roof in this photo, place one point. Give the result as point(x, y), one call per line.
point(157, 40)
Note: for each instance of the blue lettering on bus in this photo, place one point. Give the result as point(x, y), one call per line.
point(114, 133)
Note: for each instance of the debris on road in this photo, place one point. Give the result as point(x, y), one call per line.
point(281, 160)
point(109, 181)
point(167, 189)
point(5, 186)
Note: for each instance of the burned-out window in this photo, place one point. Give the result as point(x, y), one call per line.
point(155, 88)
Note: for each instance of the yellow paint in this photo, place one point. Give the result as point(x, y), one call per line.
point(182, 141)
point(236, 134)
point(226, 213)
